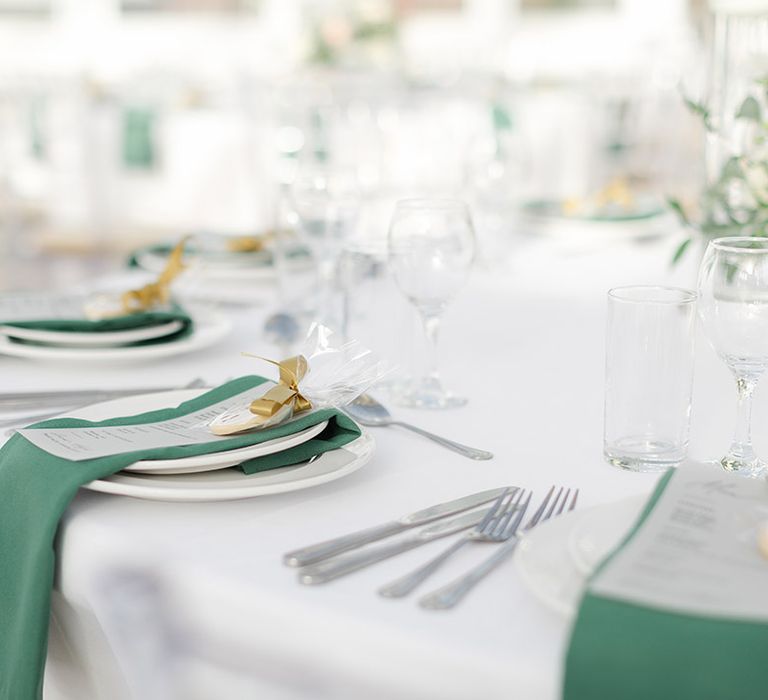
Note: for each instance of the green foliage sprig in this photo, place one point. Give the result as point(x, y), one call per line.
point(736, 203)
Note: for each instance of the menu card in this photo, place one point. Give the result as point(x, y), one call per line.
point(697, 551)
point(78, 444)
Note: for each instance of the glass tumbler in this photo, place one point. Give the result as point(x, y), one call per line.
point(649, 377)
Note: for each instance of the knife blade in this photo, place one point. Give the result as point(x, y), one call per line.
point(329, 548)
point(45, 399)
point(341, 566)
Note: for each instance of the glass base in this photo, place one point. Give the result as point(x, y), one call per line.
point(641, 454)
point(751, 469)
point(426, 395)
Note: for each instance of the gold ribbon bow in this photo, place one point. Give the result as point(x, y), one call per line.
point(157, 292)
point(248, 244)
point(287, 392)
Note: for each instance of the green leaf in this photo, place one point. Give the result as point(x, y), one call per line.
point(701, 110)
point(731, 169)
point(681, 250)
point(502, 121)
point(750, 109)
point(675, 206)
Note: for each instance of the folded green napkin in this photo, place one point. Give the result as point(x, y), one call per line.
point(260, 257)
point(620, 650)
point(144, 319)
point(36, 488)
point(263, 257)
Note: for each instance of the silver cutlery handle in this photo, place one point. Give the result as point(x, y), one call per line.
point(448, 596)
point(329, 548)
point(464, 450)
point(330, 570)
point(403, 586)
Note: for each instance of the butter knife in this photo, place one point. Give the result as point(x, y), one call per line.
point(329, 548)
point(340, 566)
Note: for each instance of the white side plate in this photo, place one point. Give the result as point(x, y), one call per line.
point(92, 340)
point(556, 558)
point(208, 330)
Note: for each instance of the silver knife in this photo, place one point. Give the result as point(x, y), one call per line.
point(328, 548)
point(340, 566)
point(34, 399)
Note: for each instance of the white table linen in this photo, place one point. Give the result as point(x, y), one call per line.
point(157, 600)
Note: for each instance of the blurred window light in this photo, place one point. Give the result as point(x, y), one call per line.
point(25, 7)
point(189, 5)
point(566, 4)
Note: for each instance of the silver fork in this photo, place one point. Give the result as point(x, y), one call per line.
point(449, 595)
point(496, 526)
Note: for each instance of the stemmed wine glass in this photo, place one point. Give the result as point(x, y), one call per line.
point(431, 249)
point(733, 306)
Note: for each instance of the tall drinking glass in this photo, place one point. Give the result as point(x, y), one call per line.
point(431, 250)
point(733, 305)
point(326, 199)
point(649, 376)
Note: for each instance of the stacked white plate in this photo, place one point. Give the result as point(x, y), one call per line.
point(215, 477)
point(228, 277)
point(113, 346)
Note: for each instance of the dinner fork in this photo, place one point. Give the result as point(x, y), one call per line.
point(449, 595)
point(496, 526)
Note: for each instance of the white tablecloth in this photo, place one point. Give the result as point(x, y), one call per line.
point(158, 600)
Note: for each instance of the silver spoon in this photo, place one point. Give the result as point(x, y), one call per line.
point(368, 411)
point(282, 329)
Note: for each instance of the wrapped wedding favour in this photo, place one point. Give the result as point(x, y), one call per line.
point(155, 295)
point(322, 375)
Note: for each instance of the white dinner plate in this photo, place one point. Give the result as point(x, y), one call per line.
point(92, 340)
point(231, 484)
point(223, 484)
point(133, 405)
point(208, 330)
point(555, 559)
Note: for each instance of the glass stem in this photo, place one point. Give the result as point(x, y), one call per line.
point(741, 448)
point(431, 320)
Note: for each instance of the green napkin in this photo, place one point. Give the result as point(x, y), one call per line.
point(144, 319)
point(260, 257)
point(624, 651)
point(36, 488)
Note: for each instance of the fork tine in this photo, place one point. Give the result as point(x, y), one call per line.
point(498, 528)
point(573, 501)
point(564, 501)
point(491, 514)
point(540, 510)
point(551, 509)
point(512, 526)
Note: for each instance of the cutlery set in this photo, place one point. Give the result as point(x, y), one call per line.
point(499, 523)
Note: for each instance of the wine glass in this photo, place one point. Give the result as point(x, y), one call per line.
point(733, 306)
point(431, 250)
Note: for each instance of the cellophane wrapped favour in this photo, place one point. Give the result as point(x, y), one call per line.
point(325, 374)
